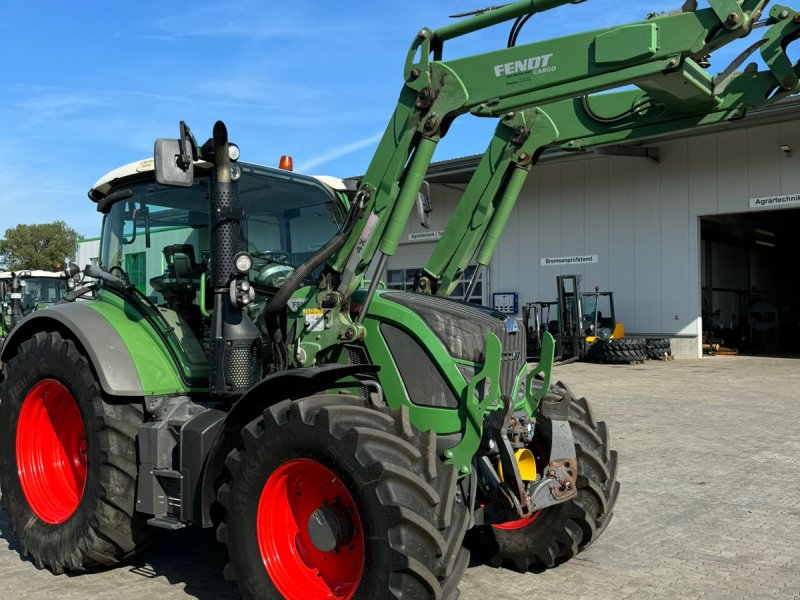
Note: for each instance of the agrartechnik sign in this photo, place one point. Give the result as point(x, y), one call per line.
point(774, 202)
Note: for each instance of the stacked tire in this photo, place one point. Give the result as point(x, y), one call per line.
point(659, 349)
point(622, 351)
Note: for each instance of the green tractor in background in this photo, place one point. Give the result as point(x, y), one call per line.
point(23, 291)
point(345, 441)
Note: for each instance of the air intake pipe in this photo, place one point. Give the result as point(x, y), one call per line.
point(236, 349)
point(16, 300)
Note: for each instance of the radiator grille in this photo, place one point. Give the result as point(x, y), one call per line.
point(462, 328)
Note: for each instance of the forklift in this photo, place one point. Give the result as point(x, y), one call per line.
point(584, 326)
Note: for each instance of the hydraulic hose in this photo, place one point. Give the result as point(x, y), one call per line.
point(272, 316)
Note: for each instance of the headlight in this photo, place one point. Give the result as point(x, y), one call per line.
point(244, 262)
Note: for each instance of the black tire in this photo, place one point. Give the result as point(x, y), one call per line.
point(618, 351)
point(559, 532)
point(104, 528)
point(413, 519)
point(659, 349)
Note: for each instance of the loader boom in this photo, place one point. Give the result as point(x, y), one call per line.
point(543, 91)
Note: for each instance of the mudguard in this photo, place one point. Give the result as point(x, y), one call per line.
point(135, 366)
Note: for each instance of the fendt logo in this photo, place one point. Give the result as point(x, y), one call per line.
point(535, 66)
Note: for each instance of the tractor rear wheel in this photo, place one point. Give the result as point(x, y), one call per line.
point(330, 499)
point(556, 534)
point(67, 460)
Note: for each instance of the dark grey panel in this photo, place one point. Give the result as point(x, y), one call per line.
point(103, 345)
point(462, 328)
point(424, 383)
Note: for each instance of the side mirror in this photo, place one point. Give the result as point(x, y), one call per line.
point(170, 166)
point(424, 207)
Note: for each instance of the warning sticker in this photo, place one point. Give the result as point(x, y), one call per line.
point(315, 319)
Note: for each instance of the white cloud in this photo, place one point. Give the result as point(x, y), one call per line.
point(312, 163)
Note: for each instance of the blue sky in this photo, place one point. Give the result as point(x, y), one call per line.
point(87, 86)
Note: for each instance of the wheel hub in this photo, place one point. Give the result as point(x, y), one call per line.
point(51, 451)
point(309, 533)
point(330, 527)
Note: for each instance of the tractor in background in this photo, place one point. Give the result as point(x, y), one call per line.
point(24, 291)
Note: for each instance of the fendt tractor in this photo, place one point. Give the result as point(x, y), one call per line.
point(23, 291)
point(346, 441)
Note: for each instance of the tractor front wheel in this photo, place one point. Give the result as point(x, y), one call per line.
point(556, 534)
point(67, 460)
point(330, 499)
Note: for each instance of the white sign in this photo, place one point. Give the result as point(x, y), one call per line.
point(425, 236)
point(564, 261)
point(774, 202)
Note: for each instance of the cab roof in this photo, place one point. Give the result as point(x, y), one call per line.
point(143, 168)
point(23, 273)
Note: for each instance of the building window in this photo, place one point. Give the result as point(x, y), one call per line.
point(403, 280)
point(135, 267)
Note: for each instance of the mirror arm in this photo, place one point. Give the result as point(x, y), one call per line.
point(186, 155)
point(133, 220)
point(146, 227)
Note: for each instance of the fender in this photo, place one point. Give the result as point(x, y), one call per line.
point(285, 385)
point(144, 372)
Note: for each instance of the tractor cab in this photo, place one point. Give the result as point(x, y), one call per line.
point(158, 237)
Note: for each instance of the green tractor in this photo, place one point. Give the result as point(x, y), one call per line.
point(24, 291)
point(346, 441)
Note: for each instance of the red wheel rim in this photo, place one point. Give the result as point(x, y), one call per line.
point(51, 451)
point(518, 524)
point(295, 565)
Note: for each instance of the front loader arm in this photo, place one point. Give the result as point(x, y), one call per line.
point(659, 55)
point(589, 121)
point(492, 190)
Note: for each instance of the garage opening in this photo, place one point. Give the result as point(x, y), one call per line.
point(750, 290)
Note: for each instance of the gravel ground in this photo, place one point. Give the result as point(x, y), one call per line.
point(709, 456)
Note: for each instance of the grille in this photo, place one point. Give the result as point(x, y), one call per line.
point(423, 381)
point(243, 365)
point(355, 355)
point(462, 328)
point(226, 234)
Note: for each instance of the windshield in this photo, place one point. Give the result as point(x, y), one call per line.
point(38, 291)
point(597, 306)
point(163, 232)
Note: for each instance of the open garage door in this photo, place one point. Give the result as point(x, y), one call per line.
point(750, 289)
